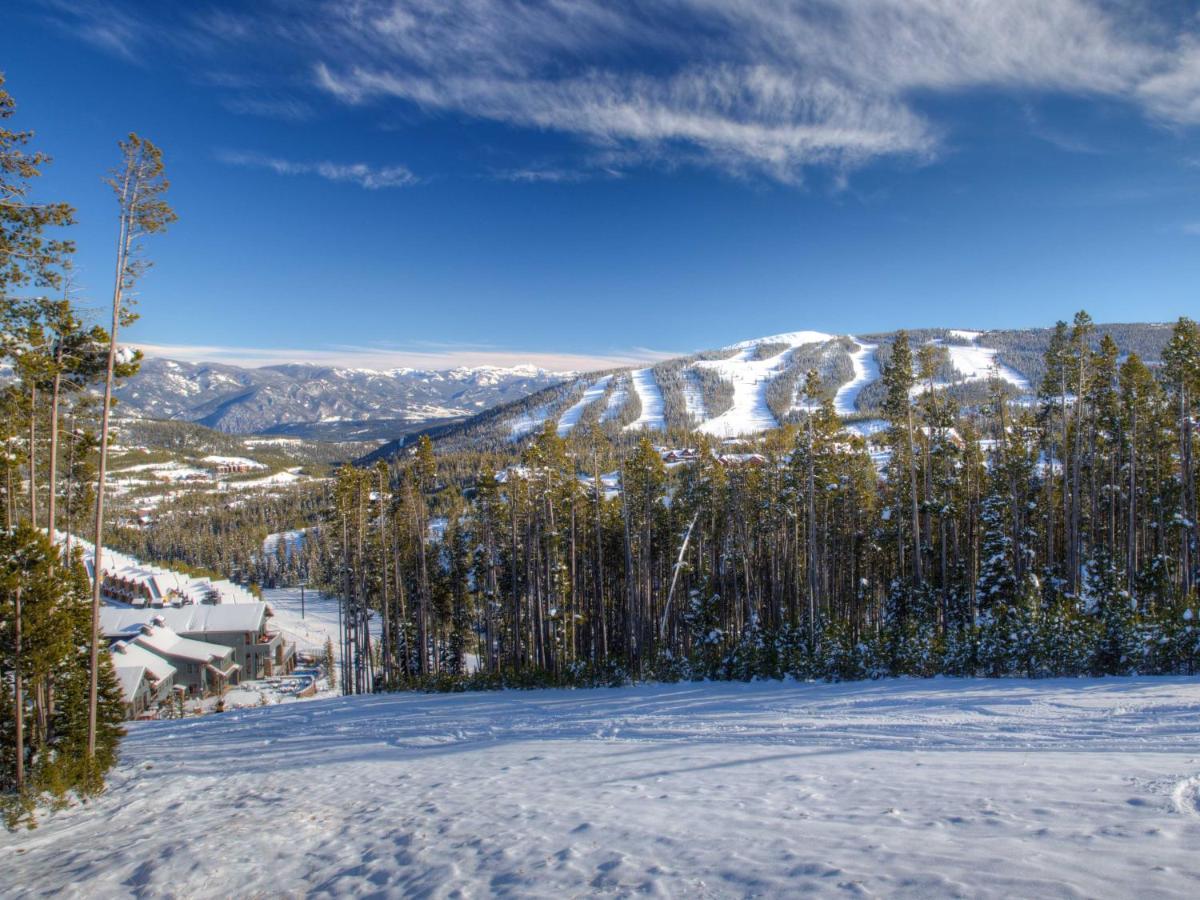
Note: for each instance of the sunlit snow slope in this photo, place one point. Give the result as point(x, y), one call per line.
point(750, 377)
point(910, 788)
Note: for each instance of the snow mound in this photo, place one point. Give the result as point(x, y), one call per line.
point(791, 338)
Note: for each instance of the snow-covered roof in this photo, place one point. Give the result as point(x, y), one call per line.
point(193, 619)
point(164, 585)
point(130, 678)
point(233, 461)
point(127, 655)
point(161, 639)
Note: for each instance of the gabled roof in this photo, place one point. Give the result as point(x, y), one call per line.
point(116, 621)
point(130, 678)
point(127, 654)
point(162, 640)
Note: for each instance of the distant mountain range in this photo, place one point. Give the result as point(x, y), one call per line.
point(742, 388)
point(321, 402)
point(755, 385)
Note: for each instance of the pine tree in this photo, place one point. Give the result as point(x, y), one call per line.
point(139, 184)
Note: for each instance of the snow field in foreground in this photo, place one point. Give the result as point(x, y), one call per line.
point(904, 788)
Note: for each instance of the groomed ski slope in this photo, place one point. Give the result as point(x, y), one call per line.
point(650, 395)
point(977, 363)
point(866, 370)
point(750, 378)
point(910, 788)
point(571, 417)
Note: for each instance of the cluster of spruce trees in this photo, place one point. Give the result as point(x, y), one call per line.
point(1052, 537)
point(60, 705)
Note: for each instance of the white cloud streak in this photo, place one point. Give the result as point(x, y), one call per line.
point(770, 85)
point(365, 176)
point(774, 87)
point(385, 359)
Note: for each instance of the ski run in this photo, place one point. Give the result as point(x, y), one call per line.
point(901, 788)
point(749, 368)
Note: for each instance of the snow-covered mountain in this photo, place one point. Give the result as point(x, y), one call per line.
point(742, 388)
point(318, 401)
point(754, 385)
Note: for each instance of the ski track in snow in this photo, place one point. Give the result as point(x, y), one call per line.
point(527, 423)
point(693, 397)
point(976, 363)
point(616, 400)
point(648, 392)
point(903, 788)
point(571, 417)
point(866, 371)
point(318, 623)
point(750, 377)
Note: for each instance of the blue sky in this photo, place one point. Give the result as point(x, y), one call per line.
point(436, 182)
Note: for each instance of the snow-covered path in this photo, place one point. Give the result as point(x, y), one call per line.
point(898, 788)
point(616, 400)
point(866, 370)
point(318, 623)
point(750, 378)
point(571, 417)
point(976, 363)
point(648, 392)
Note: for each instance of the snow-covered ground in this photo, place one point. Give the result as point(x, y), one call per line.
point(292, 541)
point(750, 378)
point(693, 397)
point(528, 422)
point(649, 393)
point(866, 370)
point(977, 363)
point(972, 362)
point(571, 417)
point(319, 621)
point(243, 461)
point(616, 400)
point(1072, 788)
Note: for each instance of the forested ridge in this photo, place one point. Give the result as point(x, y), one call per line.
point(1052, 537)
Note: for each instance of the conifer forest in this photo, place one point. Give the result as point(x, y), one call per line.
point(1056, 536)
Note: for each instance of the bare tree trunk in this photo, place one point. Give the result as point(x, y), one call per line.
point(662, 628)
point(916, 512)
point(33, 455)
point(18, 691)
point(53, 473)
point(97, 573)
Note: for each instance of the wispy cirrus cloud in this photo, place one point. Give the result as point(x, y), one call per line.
point(284, 109)
point(436, 358)
point(772, 87)
point(372, 178)
point(775, 86)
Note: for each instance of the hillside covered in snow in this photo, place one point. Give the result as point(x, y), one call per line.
point(754, 385)
point(740, 389)
point(321, 402)
point(904, 788)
